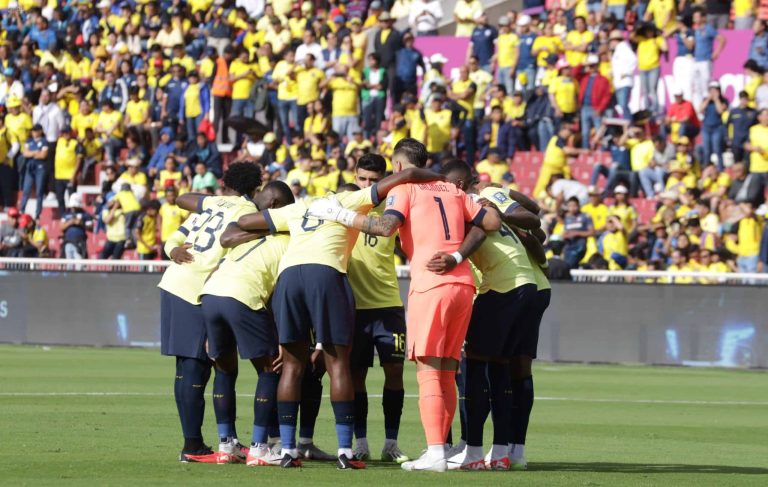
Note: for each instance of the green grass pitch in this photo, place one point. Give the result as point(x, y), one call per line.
point(592, 425)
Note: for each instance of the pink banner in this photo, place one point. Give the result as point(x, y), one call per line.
point(453, 48)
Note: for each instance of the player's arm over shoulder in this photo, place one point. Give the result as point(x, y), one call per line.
point(513, 212)
point(490, 221)
point(191, 202)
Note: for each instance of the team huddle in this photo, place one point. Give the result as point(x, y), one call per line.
point(308, 287)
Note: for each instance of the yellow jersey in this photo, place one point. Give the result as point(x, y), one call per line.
point(565, 91)
point(65, 158)
point(554, 155)
point(286, 81)
point(202, 232)
point(113, 119)
point(330, 243)
point(147, 228)
point(614, 243)
point(468, 104)
point(661, 10)
point(495, 171)
point(171, 218)
point(248, 272)
point(372, 272)
point(345, 97)
point(322, 185)
point(241, 89)
point(599, 214)
point(81, 122)
point(18, 127)
point(507, 45)
point(625, 213)
point(502, 258)
point(758, 158)
point(649, 52)
point(546, 45)
point(750, 232)
point(115, 230)
point(192, 106)
point(576, 38)
point(308, 85)
point(135, 110)
point(482, 79)
point(438, 129)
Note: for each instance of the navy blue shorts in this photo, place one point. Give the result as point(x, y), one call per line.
point(182, 327)
point(383, 328)
point(494, 328)
point(231, 324)
point(314, 297)
point(531, 321)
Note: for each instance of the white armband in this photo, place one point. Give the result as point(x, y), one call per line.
point(459, 258)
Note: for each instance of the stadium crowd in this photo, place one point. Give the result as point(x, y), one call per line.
point(140, 99)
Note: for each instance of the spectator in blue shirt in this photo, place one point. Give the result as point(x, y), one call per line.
point(712, 129)
point(205, 152)
point(483, 42)
point(577, 229)
point(758, 48)
point(174, 91)
point(164, 148)
point(42, 34)
point(526, 61)
point(740, 119)
point(705, 52)
point(620, 167)
point(75, 224)
point(406, 62)
point(36, 152)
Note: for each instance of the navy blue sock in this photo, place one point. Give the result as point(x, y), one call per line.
point(476, 401)
point(177, 388)
point(522, 404)
point(264, 403)
point(194, 377)
point(344, 412)
point(392, 402)
point(273, 429)
point(361, 414)
point(311, 397)
point(461, 386)
point(501, 406)
point(225, 403)
point(286, 417)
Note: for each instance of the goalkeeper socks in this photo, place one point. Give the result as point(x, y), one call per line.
point(311, 397)
point(286, 416)
point(522, 404)
point(194, 377)
point(476, 400)
point(448, 386)
point(177, 385)
point(501, 406)
point(392, 403)
point(225, 403)
point(264, 404)
point(431, 406)
point(361, 414)
point(344, 413)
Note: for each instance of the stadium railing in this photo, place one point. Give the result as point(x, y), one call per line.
point(97, 265)
point(666, 277)
point(403, 272)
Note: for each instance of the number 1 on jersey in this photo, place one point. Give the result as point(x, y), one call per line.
point(446, 229)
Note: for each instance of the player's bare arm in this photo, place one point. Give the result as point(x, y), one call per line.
point(190, 201)
point(532, 245)
point(440, 263)
point(413, 175)
point(519, 216)
point(253, 221)
point(234, 236)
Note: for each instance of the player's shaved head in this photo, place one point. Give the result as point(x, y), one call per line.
point(457, 172)
point(409, 152)
point(348, 187)
point(275, 194)
point(243, 178)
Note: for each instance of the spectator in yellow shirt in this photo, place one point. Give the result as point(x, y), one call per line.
point(564, 93)
point(345, 111)
point(758, 144)
point(596, 209)
point(242, 75)
point(494, 166)
point(465, 13)
point(507, 53)
point(577, 42)
point(749, 232)
point(556, 158)
point(171, 216)
point(650, 46)
point(613, 244)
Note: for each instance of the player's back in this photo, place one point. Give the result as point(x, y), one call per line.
point(434, 217)
point(203, 231)
point(248, 272)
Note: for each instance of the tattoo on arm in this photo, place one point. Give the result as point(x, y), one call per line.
point(384, 226)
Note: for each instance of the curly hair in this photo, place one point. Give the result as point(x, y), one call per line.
point(243, 177)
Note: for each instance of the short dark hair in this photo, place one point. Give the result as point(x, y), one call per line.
point(243, 177)
point(574, 200)
point(281, 191)
point(348, 187)
point(413, 150)
point(457, 165)
point(372, 162)
point(153, 205)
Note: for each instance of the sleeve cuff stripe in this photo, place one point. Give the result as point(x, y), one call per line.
point(267, 217)
point(479, 217)
point(184, 230)
point(375, 195)
point(512, 207)
point(396, 213)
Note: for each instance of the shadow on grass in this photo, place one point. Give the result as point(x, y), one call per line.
point(644, 468)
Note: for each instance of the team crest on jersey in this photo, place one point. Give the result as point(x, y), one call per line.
point(390, 201)
point(500, 197)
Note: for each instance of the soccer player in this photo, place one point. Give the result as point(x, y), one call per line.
point(379, 323)
point(507, 289)
point(431, 218)
point(196, 251)
point(313, 295)
point(234, 303)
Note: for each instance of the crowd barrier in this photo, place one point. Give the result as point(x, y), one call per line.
point(595, 320)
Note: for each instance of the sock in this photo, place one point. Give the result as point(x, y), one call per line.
point(501, 406)
point(522, 404)
point(431, 406)
point(517, 451)
point(344, 412)
point(476, 401)
point(193, 444)
point(474, 452)
point(225, 403)
point(195, 374)
point(436, 452)
point(448, 386)
point(273, 428)
point(392, 403)
point(177, 382)
point(264, 402)
point(461, 385)
point(311, 397)
point(286, 416)
point(361, 414)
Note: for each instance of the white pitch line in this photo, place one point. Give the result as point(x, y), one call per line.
point(408, 396)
